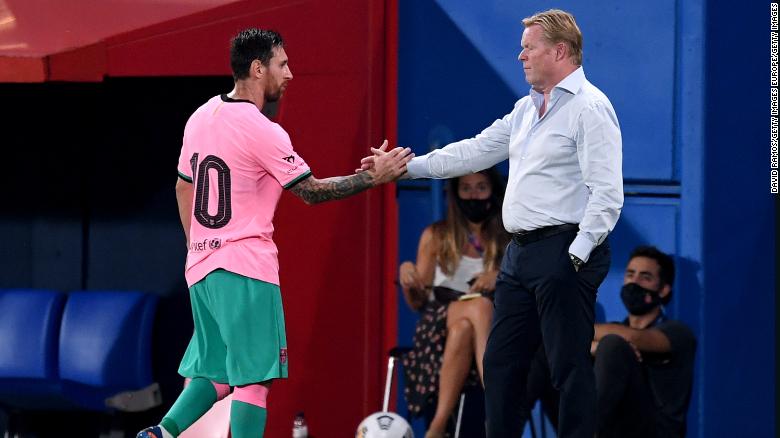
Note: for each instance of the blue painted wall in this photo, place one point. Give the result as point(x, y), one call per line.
point(696, 161)
point(738, 237)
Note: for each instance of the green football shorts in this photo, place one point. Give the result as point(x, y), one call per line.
point(239, 333)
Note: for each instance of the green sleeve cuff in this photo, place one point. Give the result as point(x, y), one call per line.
point(185, 177)
point(300, 178)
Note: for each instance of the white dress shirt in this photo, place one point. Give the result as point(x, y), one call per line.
point(565, 167)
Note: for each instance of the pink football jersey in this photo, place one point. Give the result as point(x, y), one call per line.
point(239, 162)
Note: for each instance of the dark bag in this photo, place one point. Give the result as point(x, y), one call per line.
point(445, 295)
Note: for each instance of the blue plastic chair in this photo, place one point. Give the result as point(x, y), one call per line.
point(29, 339)
point(105, 350)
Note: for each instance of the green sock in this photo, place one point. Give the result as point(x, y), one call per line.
point(246, 420)
point(196, 399)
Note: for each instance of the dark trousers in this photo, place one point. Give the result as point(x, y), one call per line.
point(625, 404)
point(626, 407)
point(540, 388)
point(540, 298)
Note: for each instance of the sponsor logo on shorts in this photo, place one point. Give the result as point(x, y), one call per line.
point(206, 244)
point(283, 356)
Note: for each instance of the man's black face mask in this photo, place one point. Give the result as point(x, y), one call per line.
point(633, 296)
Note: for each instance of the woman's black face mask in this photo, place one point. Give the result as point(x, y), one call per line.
point(477, 210)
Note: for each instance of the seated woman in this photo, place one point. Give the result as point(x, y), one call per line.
point(450, 284)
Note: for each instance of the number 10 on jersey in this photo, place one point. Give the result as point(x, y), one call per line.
point(202, 183)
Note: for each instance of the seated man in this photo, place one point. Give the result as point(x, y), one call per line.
point(643, 366)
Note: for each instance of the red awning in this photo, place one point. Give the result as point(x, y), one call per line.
point(44, 40)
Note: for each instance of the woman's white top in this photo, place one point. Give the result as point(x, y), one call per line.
point(468, 268)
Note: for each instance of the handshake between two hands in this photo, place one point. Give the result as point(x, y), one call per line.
point(386, 166)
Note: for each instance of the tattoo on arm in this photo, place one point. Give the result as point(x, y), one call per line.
point(314, 191)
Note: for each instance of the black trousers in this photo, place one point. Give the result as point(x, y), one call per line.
point(625, 401)
point(540, 298)
point(540, 388)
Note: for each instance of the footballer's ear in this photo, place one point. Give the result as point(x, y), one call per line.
point(257, 69)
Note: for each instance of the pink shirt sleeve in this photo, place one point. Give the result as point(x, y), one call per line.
point(275, 154)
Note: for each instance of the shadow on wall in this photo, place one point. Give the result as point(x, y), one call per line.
point(93, 204)
point(454, 71)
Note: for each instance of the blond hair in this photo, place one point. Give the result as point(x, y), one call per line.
point(559, 27)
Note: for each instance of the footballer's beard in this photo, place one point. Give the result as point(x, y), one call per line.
point(275, 95)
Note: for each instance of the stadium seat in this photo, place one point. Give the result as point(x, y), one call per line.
point(105, 350)
point(29, 338)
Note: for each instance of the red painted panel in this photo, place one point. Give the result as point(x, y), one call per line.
point(87, 64)
point(390, 268)
point(332, 258)
point(13, 69)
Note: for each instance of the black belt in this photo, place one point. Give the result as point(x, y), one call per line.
point(526, 237)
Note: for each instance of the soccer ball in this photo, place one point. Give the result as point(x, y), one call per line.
point(384, 425)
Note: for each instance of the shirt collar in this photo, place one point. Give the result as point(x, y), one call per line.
point(537, 98)
point(571, 83)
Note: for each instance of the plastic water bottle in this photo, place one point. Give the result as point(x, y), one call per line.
point(300, 430)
